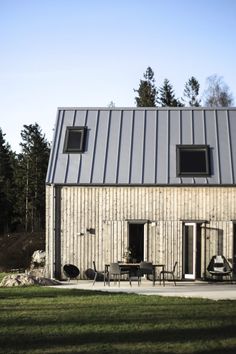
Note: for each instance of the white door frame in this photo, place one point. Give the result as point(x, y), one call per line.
point(191, 275)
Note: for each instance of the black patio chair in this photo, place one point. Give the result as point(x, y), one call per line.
point(219, 267)
point(116, 272)
point(71, 271)
point(166, 272)
point(98, 274)
point(146, 268)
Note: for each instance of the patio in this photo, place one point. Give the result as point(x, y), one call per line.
point(207, 290)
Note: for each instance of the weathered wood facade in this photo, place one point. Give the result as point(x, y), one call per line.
point(91, 223)
point(121, 184)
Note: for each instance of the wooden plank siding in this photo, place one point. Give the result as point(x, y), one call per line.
point(91, 223)
point(49, 247)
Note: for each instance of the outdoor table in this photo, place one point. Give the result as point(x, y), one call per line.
point(130, 266)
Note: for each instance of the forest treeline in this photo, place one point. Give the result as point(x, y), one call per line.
point(216, 94)
point(22, 182)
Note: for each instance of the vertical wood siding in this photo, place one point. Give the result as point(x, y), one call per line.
point(49, 231)
point(94, 222)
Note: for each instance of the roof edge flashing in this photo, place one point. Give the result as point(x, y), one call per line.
point(147, 108)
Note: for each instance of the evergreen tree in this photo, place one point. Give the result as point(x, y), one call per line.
point(30, 178)
point(7, 197)
point(147, 92)
point(191, 92)
point(167, 96)
point(217, 93)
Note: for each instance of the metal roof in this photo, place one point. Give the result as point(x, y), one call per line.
point(137, 146)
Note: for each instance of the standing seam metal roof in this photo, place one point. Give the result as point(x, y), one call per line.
point(137, 146)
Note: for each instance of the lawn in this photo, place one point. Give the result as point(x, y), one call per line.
point(49, 320)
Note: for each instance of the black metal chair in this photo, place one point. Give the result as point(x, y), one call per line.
point(71, 271)
point(167, 272)
point(116, 272)
point(98, 275)
point(219, 267)
point(146, 268)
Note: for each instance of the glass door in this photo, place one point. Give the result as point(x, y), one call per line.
point(189, 250)
point(136, 241)
point(234, 252)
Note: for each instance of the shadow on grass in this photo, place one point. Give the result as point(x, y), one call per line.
point(44, 319)
point(39, 291)
point(159, 336)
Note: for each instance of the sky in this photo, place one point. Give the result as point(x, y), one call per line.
point(87, 53)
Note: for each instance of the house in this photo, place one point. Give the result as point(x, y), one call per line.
point(159, 182)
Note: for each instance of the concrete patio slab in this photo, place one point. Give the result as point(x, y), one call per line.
point(213, 291)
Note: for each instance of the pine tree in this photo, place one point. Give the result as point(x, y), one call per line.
point(147, 92)
point(167, 96)
point(30, 177)
point(191, 92)
point(7, 196)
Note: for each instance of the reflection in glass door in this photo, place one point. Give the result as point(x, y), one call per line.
point(189, 251)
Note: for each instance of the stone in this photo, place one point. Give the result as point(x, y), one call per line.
point(26, 280)
point(38, 258)
point(37, 265)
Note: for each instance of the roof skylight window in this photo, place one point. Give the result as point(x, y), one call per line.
point(75, 139)
point(192, 160)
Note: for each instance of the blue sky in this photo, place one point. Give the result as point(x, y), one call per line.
point(57, 53)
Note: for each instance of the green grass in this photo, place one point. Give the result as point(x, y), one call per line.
point(2, 275)
point(48, 320)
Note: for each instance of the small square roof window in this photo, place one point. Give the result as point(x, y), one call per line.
point(192, 160)
point(75, 139)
